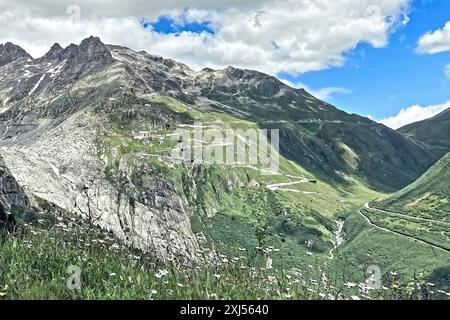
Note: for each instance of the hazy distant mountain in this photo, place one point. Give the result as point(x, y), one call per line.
point(432, 134)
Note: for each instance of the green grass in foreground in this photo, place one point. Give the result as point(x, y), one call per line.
point(35, 264)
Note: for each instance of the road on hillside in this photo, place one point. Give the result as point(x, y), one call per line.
point(400, 215)
point(400, 233)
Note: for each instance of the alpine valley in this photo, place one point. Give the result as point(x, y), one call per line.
point(88, 179)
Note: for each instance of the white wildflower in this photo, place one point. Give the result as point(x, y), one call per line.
point(350, 285)
point(269, 263)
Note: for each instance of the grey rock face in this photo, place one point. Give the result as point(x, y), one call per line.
point(7, 221)
point(11, 193)
point(54, 52)
point(62, 167)
point(91, 54)
point(12, 196)
point(10, 52)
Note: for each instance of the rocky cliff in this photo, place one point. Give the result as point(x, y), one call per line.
point(49, 126)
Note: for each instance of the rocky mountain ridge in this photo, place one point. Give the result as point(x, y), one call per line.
point(10, 52)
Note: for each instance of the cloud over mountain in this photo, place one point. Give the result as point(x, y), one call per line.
point(293, 36)
point(413, 114)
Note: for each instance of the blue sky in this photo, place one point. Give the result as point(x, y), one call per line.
point(167, 25)
point(383, 81)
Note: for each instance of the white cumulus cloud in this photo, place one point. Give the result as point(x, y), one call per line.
point(273, 36)
point(435, 41)
point(323, 93)
point(413, 114)
point(328, 92)
point(447, 70)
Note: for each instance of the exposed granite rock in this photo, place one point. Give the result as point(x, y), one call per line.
point(10, 52)
point(7, 221)
point(11, 196)
point(90, 55)
point(61, 166)
point(54, 52)
point(11, 193)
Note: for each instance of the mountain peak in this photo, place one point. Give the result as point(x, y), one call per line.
point(90, 51)
point(92, 41)
point(54, 51)
point(93, 48)
point(56, 47)
point(10, 52)
point(429, 133)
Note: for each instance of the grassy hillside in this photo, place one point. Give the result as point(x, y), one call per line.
point(244, 218)
point(233, 205)
point(408, 231)
point(428, 197)
point(395, 255)
point(326, 141)
point(238, 211)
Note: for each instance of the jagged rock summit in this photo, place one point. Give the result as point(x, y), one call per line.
point(10, 52)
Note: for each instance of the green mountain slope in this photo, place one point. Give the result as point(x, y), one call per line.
point(321, 138)
point(432, 134)
point(429, 196)
point(235, 205)
point(393, 251)
point(235, 209)
point(408, 231)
